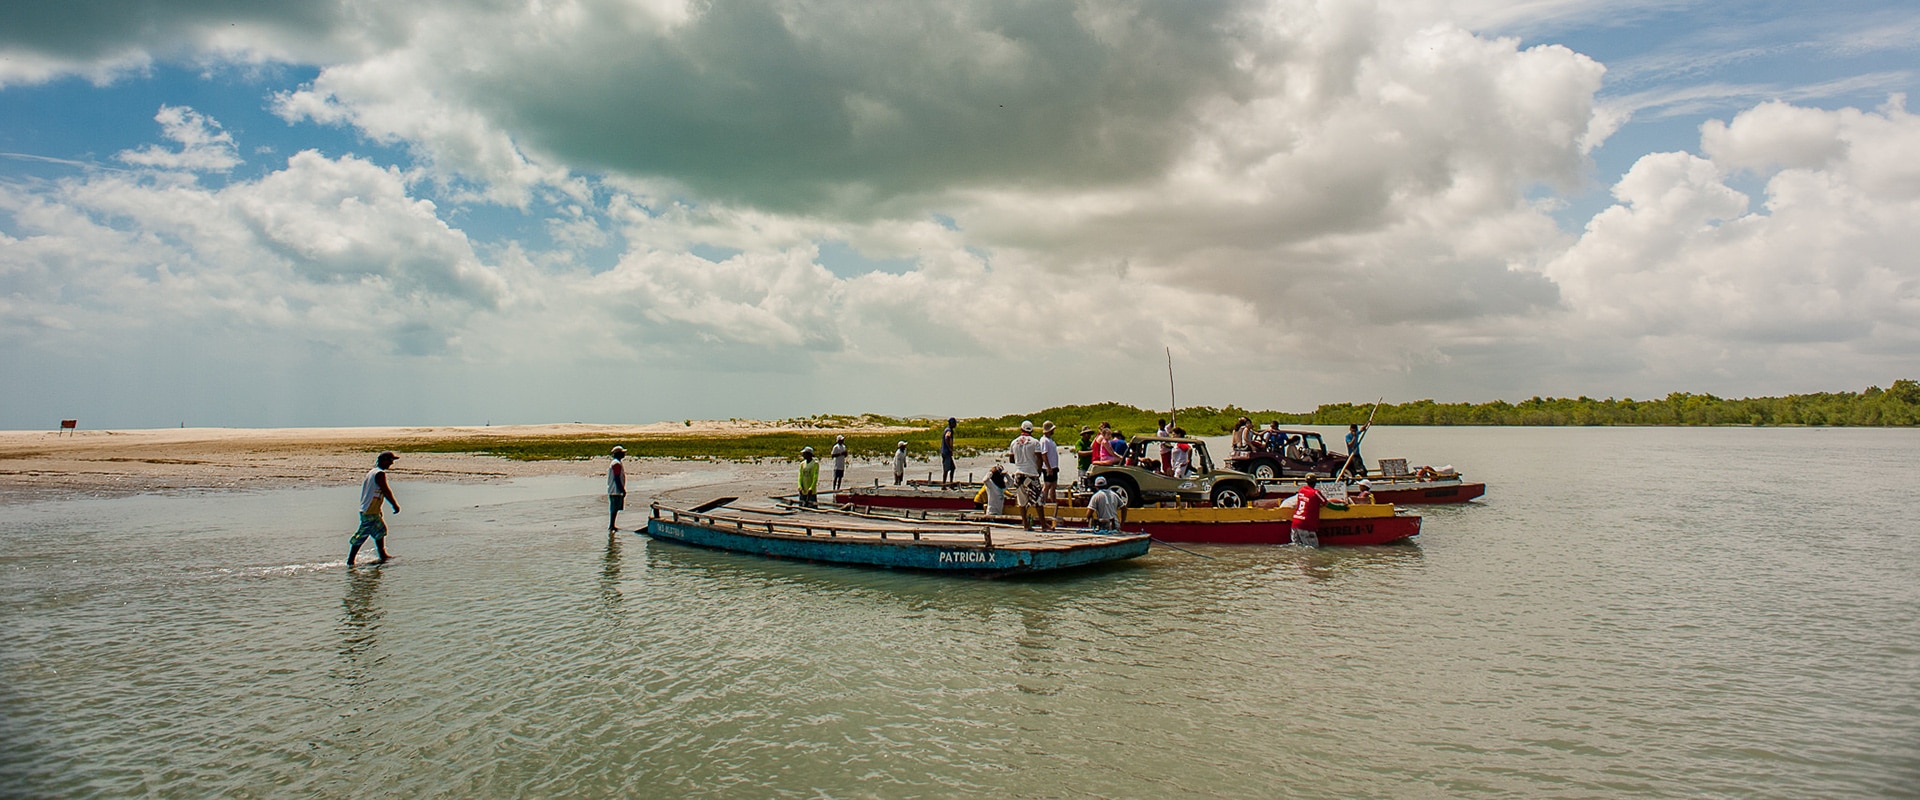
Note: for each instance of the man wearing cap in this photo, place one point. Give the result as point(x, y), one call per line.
point(374, 489)
point(839, 453)
point(616, 488)
point(1049, 468)
point(1107, 508)
point(1026, 457)
point(1363, 494)
point(899, 463)
point(809, 478)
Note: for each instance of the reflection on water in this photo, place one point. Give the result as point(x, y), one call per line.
point(1569, 636)
point(359, 626)
point(610, 573)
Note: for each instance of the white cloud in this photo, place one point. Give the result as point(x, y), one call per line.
point(204, 147)
point(1821, 280)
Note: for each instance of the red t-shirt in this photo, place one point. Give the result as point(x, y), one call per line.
point(1306, 509)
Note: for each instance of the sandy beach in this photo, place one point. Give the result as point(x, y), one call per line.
point(41, 464)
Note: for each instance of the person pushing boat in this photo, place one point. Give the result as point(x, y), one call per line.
point(1306, 512)
point(1107, 508)
point(373, 490)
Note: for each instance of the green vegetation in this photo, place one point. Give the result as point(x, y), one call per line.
point(1875, 407)
point(1895, 406)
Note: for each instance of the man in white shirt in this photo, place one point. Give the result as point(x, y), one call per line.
point(1025, 454)
point(1107, 508)
point(839, 453)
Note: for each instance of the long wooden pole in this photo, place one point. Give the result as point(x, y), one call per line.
point(1173, 414)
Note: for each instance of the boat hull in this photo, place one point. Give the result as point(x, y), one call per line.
point(1400, 492)
point(899, 553)
point(1360, 526)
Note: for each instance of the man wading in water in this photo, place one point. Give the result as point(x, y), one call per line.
point(373, 489)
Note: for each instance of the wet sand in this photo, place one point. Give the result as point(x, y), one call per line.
point(39, 464)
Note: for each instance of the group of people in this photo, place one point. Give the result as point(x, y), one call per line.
point(1107, 446)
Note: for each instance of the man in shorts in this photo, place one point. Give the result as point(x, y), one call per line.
point(616, 488)
point(373, 490)
point(1107, 508)
point(1026, 456)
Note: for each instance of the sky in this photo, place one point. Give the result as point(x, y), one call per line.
point(267, 213)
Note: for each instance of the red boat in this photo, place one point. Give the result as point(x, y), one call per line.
point(1402, 491)
point(1358, 526)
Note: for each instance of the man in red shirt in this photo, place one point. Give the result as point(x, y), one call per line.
point(1306, 513)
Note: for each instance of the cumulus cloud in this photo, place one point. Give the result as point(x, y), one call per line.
point(1242, 180)
point(1686, 272)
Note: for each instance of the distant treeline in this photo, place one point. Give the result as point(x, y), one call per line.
point(1874, 407)
point(1895, 406)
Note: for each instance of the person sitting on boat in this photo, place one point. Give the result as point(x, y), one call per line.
point(1121, 453)
point(1362, 494)
point(1182, 456)
point(1103, 447)
point(1107, 508)
point(1272, 439)
point(1426, 473)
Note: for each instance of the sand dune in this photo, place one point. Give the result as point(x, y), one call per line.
point(36, 464)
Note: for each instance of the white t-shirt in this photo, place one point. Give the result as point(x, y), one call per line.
point(899, 460)
point(1106, 504)
point(1026, 455)
point(1182, 459)
point(370, 494)
point(619, 486)
point(839, 456)
point(1051, 451)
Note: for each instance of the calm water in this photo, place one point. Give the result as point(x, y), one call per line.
point(1629, 613)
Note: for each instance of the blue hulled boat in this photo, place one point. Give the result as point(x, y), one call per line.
point(981, 549)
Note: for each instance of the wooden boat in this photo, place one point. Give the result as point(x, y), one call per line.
point(915, 494)
point(968, 548)
point(1357, 526)
point(1404, 491)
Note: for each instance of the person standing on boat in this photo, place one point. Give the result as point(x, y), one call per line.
point(616, 488)
point(1307, 504)
point(373, 490)
point(1182, 456)
point(809, 478)
point(839, 453)
point(946, 451)
point(1166, 450)
point(1107, 508)
point(1359, 465)
point(1084, 454)
point(899, 463)
point(1024, 453)
point(1050, 464)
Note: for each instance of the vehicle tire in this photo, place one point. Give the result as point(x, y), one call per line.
point(1264, 470)
point(1124, 485)
point(1231, 495)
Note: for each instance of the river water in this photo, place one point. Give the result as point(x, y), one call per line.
point(1628, 613)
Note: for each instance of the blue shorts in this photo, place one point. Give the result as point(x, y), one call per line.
point(616, 502)
point(371, 526)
